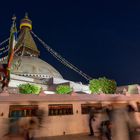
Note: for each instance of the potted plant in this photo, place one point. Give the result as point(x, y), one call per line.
point(102, 85)
point(63, 89)
point(29, 88)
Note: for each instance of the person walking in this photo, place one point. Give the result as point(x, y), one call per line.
point(91, 119)
point(106, 129)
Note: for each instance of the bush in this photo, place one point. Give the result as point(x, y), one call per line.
point(103, 85)
point(63, 89)
point(29, 89)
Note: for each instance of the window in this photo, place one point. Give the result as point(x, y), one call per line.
point(23, 110)
point(86, 107)
point(60, 109)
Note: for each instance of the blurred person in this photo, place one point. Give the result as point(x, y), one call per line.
point(109, 111)
point(120, 129)
point(130, 108)
point(107, 124)
point(5, 83)
point(91, 119)
point(106, 129)
point(32, 125)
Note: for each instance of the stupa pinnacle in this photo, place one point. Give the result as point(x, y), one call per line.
point(25, 43)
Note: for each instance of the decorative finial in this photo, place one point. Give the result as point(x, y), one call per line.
point(26, 15)
point(26, 22)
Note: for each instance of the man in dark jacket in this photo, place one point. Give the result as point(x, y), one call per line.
point(91, 118)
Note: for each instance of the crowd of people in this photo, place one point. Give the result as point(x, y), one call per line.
point(117, 124)
point(105, 126)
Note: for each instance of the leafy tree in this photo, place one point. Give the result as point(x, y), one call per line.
point(29, 89)
point(63, 89)
point(102, 85)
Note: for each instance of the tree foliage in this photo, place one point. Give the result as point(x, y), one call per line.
point(103, 85)
point(29, 89)
point(63, 89)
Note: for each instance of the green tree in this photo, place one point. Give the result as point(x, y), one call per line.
point(63, 89)
point(29, 89)
point(103, 85)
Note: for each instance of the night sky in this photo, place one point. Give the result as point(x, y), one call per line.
point(102, 38)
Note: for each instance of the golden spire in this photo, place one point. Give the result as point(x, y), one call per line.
point(26, 22)
point(25, 41)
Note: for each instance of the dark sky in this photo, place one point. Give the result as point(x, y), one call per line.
point(102, 38)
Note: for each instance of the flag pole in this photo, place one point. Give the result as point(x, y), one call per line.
point(12, 43)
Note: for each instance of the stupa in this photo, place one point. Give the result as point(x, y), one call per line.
point(51, 115)
point(26, 61)
point(27, 67)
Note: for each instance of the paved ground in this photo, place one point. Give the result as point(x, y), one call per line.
point(135, 136)
point(66, 137)
point(71, 137)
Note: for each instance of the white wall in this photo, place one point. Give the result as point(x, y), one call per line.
point(76, 86)
point(17, 80)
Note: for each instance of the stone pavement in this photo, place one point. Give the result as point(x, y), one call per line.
point(134, 136)
point(66, 137)
point(71, 137)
